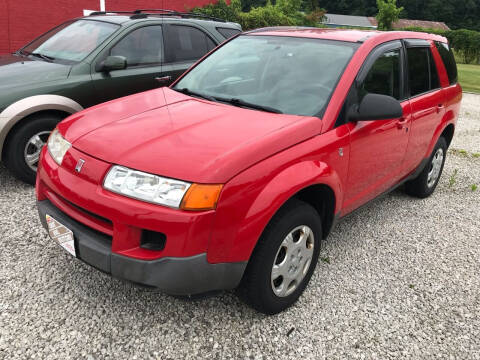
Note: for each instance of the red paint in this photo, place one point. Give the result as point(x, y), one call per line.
point(23, 21)
point(262, 159)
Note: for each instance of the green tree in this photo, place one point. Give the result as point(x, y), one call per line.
point(278, 13)
point(388, 13)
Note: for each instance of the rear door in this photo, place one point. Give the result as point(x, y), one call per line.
point(144, 50)
point(378, 147)
point(184, 45)
point(426, 98)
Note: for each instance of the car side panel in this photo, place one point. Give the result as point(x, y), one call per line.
point(250, 200)
point(453, 97)
point(432, 112)
point(378, 151)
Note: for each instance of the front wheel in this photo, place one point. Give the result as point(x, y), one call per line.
point(26, 143)
point(284, 260)
point(426, 182)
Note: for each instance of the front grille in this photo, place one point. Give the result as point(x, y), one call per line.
point(98, 217)
point(81, 215)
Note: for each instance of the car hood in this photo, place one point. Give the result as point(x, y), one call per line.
point(183, 137)
point(20, 70)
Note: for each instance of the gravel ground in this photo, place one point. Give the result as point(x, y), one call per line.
point(400, 278)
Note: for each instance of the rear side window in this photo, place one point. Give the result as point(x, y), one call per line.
point(448, 59)
point(422, 72)
point(228, 33)
point(384, 76)
point(186, 43)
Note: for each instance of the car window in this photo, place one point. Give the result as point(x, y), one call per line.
point(228, 33)
point(142, 46)
point(384, 76)
point(186, 43)
point(448, 59)
point(422, 72)
point(72, 41)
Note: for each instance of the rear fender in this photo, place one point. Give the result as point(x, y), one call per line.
point(450, 117)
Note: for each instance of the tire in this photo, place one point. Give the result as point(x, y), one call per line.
point(425, 183)
point(262, 290)
point(23, 145)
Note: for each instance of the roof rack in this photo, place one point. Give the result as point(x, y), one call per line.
point(143, 13)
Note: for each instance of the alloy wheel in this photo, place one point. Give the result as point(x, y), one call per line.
point(34, 147)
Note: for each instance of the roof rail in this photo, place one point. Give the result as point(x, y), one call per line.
point(143, 13)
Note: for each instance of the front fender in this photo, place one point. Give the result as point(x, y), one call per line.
point(246, 206)
point(30, 105)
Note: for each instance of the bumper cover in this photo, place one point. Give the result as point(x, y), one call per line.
point(173, 275)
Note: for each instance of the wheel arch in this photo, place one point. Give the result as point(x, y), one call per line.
point(447, 133)
point(17, 113)
point(445, 128)
point(322, 198)
point(316, 183)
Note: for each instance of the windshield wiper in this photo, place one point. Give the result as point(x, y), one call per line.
point(43, 56)
point(243, 103)
point(187, 91)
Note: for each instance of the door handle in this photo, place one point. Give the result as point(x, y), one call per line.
point(401, 122)
point(163, 79)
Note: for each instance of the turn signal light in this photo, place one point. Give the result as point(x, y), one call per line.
point(201, 197)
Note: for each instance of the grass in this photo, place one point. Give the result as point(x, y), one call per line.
point(453, 178)
point(325, 259)
point(469, 77)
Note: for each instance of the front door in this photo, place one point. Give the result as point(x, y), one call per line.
point(378, 147)
point(143, 48)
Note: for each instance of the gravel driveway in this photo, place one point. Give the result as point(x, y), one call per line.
point(400, 278)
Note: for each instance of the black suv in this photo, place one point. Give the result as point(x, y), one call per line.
point(91, 60)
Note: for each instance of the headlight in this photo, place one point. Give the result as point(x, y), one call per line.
point(160, 190)
point(144, 186)
point(57, 146)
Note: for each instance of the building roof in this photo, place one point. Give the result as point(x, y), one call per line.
point(371, 22)
point(347, 20)
point(404, 23)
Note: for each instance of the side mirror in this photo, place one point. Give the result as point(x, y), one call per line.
point(114, 63)
point(376, 107)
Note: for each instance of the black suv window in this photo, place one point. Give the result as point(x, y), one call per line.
point(185, 43)
point(228, 33)
point(142, 46)
point(448, 59)
point(384, 75)
point(422, 71)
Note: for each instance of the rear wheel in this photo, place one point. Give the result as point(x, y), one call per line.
point(425, 183)
point(284, 260)
point(26, 143)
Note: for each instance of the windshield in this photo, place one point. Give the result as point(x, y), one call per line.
point(72, 41)
point(289, 74)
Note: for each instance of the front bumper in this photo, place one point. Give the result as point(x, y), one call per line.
point(174, 275)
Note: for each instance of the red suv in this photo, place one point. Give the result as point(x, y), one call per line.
point(233, 175)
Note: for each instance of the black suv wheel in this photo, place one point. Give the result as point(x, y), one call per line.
point(26, 143)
